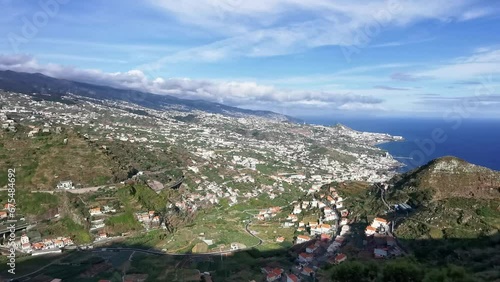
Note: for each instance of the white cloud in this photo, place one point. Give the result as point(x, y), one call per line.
point(272, 27)
point(228, 92)
point(484, 63)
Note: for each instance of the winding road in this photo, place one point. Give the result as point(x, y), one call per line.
point(154, 252)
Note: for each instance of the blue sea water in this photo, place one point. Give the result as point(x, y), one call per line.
point(474, 140)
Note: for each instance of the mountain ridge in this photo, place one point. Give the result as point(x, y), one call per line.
point(450, 176)
point(38, 83)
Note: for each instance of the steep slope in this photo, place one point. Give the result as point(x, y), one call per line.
point(450, 177)
point(54, 89)
point(452, 199)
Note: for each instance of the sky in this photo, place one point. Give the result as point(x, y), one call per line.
point(404, 58)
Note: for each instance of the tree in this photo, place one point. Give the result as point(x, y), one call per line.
point(451, 273)
point(354, 272)
point(402, 270)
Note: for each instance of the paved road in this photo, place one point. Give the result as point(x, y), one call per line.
point(4, 228)
point(382, 196)
point(157, 253)
point(250, 232)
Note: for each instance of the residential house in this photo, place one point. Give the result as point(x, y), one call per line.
point(95, 211)
point(340, 258)
point(314, 203)
point(311, 248)
point(325, 237)
point(345, 230)
point(325, 228)
point(108, 209)
point(38, 246)
point(305, 257)
point(274, 275)
point(3, 214)
point(67, 241)
point(297, 209)
point(48, 244)
point(292, 278)
point(303, 239)
point(305, 204)
point(65, 185)
point(307, 271)
point(59, 243)
point(33, 132)
point(292, 217)
point(26, 247)
point(327, 210)
point(280, 239)
point(370, 230)
point(380, 222)
point(379, 253)
point(344, 221)
point(330, 217)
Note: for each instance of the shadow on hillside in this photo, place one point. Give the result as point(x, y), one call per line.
point(480, 257)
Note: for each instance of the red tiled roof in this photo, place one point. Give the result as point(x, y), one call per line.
point(340, 257)
point(307, 270)
point(292, 277)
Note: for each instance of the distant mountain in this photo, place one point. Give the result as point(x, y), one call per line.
point(54, 89)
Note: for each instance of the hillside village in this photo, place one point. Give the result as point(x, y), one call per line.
point(320, 242)
point(230, 160)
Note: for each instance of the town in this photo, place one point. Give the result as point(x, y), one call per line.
point(229, 161)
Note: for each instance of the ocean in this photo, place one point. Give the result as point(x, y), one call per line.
point(474, 140)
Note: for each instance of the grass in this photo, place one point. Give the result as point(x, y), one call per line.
point(222, 226)
point(43, 161)
point(122, 223)
point(151, 239)
point(67, 227)
point(436, 233)
point(36, 203)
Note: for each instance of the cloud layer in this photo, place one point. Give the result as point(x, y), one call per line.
point(228, 92)
point(262, 28)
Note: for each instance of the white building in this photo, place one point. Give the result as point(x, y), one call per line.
point(65, 185)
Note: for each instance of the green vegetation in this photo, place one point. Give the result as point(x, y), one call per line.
point(401, 270)
point(43, 161)
point(67, 227)
point(122, 223)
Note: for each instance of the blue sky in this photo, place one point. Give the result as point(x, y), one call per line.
point(303, 58)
